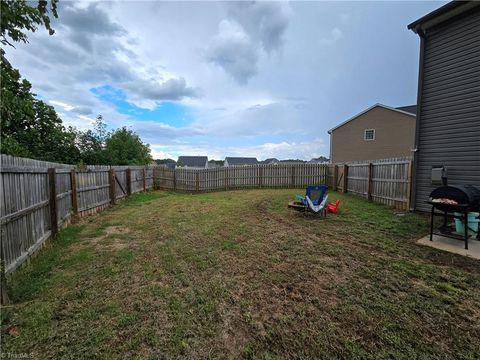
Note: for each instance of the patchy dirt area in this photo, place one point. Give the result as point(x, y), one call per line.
point(106, 239)
point(238, 275)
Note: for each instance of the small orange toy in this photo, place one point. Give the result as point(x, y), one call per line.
point(333, 207)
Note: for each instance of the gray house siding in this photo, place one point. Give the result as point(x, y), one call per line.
point(448, 127)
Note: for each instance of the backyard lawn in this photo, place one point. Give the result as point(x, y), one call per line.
point(238, 275)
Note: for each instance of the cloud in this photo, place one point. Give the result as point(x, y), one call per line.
point(251, 27)
point(85, 24)
point(195, 56)
point(90, 50)
point(264, 20)
point(233, 50)
point(269, 118)
point(171, 89)
point(154, 132)
point(82, 110)
point(63, 105)
point(345, 17)
point(283, 150)
point(335, 35)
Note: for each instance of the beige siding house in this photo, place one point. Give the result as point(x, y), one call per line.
point(379, 132)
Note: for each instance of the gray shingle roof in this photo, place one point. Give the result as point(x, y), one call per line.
point(241, 160)
point(412, 109)
point(192, 161)
point(270, 160)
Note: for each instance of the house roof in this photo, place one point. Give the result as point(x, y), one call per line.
point(372, 107)
point(269, 160)
point(193, 161)
point(412, 109)
point(241, 160)
point(443, 13)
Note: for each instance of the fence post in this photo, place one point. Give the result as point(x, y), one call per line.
point(154, 181)
point(144, 180)
point(335, 177)
point(73, 185)
point(197, 180)
point(53, 200)
point(345, 178)
point(409, 184)
point(370, 182)
point(293, 176)
point(226, 177)
point(111, 182)
point(4, 299)
point(260, 176)
point(129, 181)
point(175, 179)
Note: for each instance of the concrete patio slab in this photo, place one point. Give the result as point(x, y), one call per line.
point(453, 245)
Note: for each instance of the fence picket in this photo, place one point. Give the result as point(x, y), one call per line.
point(26, 216)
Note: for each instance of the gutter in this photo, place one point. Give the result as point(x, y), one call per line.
point(442, 14)
point(413, 194)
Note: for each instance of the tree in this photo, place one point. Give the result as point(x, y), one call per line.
point(19, 109)
point(30, 127)
point(19, 16)
point(124, 147)
point(91, 143)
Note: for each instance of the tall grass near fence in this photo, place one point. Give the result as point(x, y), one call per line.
point(38, 197)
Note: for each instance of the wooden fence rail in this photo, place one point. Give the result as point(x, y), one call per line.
point(385, 181)
point(38, 198)
point(239, 177)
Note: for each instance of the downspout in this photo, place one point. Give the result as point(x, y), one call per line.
point(413, 195)
point(330, 155)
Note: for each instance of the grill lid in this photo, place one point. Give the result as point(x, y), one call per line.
point(462, 194)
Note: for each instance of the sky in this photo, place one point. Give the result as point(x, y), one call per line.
point(263, 79)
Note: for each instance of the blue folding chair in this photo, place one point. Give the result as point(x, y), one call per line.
point(315, 199)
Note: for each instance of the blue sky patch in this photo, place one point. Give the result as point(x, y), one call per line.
point(167, 112)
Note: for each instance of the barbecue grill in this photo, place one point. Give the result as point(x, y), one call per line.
point(454, 201)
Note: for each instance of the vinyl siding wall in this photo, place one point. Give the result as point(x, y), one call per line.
point(449, 121)
point(394, 136)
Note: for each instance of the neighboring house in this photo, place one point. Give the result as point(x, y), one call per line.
point(170, 165)
point(196, 162)
point(215, 163)
point(378, 132)
point(448, 121)
point(240, 161)
point(270, 161)
point(319, 160)
point(292, 161)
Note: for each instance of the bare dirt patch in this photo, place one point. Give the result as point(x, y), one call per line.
point(112, 230)
point(113, 238)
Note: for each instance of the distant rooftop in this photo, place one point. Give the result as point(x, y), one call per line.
point(192, 161)
point(241, 160)
point(270, 160)
point(412, 109)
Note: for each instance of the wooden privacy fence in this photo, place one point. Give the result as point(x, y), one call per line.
point(384, 181)
point(237, 177)
point(37, 198)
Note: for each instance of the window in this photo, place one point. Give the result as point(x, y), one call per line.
point(369, 135)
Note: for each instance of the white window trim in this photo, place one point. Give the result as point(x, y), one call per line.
point(365, 135)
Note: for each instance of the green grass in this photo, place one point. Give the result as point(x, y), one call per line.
point(238, 275)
